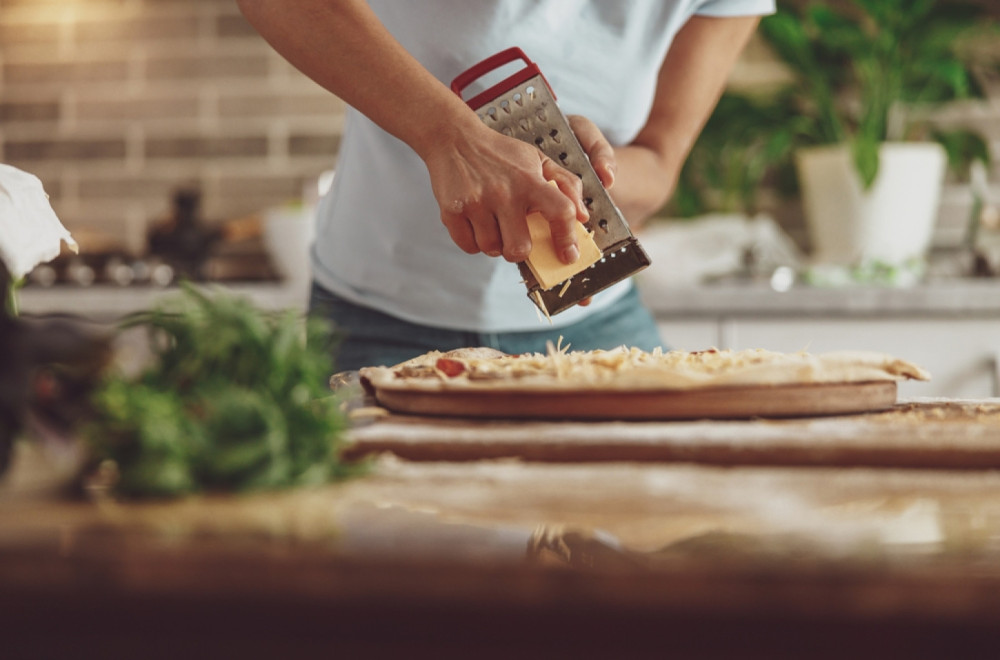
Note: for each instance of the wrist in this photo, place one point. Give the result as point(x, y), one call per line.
point(444, 130)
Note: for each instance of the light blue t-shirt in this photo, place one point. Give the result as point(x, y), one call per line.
point(379, 239)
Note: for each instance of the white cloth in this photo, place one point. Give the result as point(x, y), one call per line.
point(30, 232)
point(379, 239)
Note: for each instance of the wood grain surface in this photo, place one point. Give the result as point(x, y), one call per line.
point(711, 402)
point(916, 434)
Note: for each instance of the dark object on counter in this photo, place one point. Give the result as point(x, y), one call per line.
point(183, 241)
point(49, 368)
point(115, 268)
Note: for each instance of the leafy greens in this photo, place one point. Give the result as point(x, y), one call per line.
point(235, 399)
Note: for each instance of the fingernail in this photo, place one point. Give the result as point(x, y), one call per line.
point(571, 254)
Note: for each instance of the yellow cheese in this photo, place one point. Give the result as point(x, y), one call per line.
point(543, 261)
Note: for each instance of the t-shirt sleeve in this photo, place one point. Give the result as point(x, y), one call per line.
point(735, 8)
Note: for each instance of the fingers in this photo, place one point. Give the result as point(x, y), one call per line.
point(487, 194)
point(569, 184)
point(514, 235)
point(597, 147)
point(460, 230)
point(562, 208)
point(486, 232)
point(475, 230)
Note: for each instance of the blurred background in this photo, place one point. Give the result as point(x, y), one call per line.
point(132, 113)
point(120, 105)
point(175, 143)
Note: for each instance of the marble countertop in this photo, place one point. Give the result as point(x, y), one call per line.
point(966, 297)
point(108, 301)
point(744, 297)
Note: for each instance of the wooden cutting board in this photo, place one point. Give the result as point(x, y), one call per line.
point(713, 403)
point(928, 433)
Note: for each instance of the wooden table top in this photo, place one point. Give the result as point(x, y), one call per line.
point(517, 558)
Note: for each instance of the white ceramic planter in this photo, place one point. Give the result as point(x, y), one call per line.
point(892, 222)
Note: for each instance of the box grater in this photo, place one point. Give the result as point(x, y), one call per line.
point(523, 106)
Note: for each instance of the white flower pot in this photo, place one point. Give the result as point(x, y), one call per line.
point(892, 222)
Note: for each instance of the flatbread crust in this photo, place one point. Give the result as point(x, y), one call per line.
point(630, 369)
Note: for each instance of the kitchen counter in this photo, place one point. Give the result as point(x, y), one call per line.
point(516, 557)
point(948, 326)
point(108, 302)
point(946, 297)
point(746, 297)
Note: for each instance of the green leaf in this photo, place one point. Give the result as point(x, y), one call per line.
point(235, 399)
point(963, 147)
point(866, 160)
point(859, 64)
point(156, 477)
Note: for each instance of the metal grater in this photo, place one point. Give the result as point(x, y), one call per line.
point(523, 106)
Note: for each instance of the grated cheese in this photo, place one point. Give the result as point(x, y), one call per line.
point(560, 365)
point(541, 305)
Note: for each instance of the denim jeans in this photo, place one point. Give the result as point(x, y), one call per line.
point(368, 337)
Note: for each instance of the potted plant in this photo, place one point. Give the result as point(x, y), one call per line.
point(744, 144)
point(868, 77)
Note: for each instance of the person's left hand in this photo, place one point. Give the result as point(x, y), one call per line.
point(599, 151)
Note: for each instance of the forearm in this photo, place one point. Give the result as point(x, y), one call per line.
point(643, 182)
point(485, 183)
point(345, 48)
point(691, 79)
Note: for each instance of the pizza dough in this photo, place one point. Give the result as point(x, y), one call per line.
point(625, 369)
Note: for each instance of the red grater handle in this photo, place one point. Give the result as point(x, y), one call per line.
point(491, 63)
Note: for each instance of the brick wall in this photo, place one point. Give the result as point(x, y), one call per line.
point(116, 103)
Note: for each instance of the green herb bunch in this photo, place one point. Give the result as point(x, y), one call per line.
point(234, 399)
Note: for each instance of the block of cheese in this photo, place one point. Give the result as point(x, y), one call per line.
point(543, 261)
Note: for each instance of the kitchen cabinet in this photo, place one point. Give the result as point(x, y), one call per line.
point(952, 329)
point(960, 354)
point(690, 334)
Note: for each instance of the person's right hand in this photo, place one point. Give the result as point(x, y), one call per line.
point(486, 185)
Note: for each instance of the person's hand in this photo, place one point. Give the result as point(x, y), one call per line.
point(601, 155)
point(598, 149)
point(487, 183)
